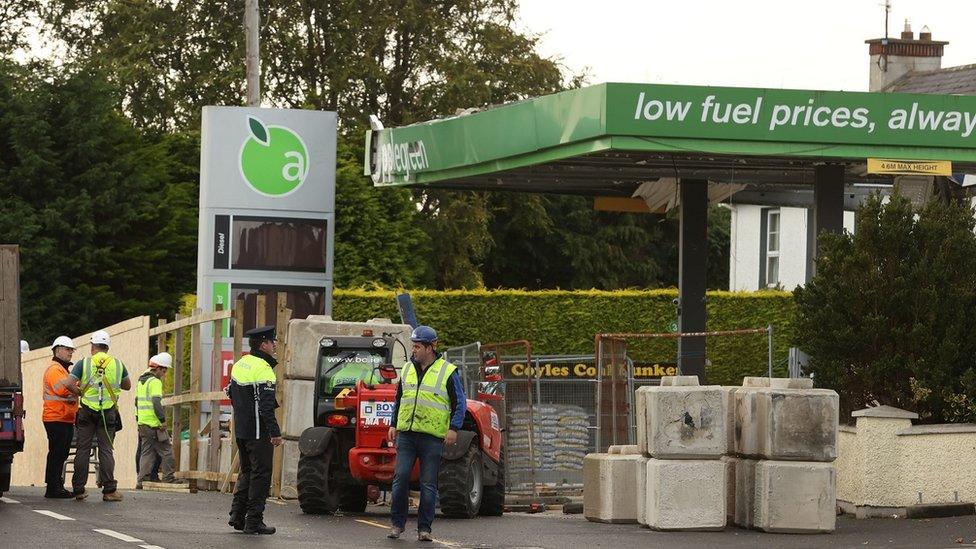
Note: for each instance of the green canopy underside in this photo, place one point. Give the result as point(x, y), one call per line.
point(599, 140)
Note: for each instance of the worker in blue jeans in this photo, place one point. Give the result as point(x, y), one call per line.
point(429, 412)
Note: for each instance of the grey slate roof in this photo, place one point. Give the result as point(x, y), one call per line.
point(952, 81)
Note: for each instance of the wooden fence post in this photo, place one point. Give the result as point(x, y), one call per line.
point(283, 316)
point(195, 384)
point(177, 389)
point(216, 374)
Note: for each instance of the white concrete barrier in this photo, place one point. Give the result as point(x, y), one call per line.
point(786, 424)
point(299, 403)
point(795, 497)
point(610, 487)
point(685, 494)
point(685, 422)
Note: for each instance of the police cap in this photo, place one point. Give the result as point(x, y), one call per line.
point(264, 332)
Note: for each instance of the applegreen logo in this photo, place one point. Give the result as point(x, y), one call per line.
point(274, 159)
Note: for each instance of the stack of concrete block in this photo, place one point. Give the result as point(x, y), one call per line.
point(785, 442)
point(610, 493)
point(299, 373)
point(685, 435)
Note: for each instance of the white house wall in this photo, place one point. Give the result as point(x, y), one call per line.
point(745, 244)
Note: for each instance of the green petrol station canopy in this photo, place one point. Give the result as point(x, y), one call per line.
point(609, 138)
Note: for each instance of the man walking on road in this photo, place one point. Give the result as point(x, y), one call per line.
point(252, 393)
point(60, 408)
point(100, 378)
point(429, 412)
point(153, 438)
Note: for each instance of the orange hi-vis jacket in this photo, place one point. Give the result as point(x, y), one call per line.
point(59, 404)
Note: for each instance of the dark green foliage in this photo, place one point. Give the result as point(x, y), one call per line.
point(84, 195)
point(891, 313)
point(562, 322)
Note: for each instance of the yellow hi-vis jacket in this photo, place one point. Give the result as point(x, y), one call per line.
point(425, 406)
point(101, 376)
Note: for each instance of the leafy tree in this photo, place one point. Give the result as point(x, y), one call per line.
point(375, 243)
point(83, 196)
point(891, 314)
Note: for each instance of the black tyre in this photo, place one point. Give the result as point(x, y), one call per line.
point(318, 486)
point(353, 498)
point(460, 485)
point(493, 502)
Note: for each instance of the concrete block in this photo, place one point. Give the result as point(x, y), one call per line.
point(745, 493)
point(642, 491)
point(299, 406)
point(289, 469)
point(610, 487)
point(795, 497)
point(685, 494)
point(730, 418)
point(787, 424)
point(679, 381)
point(204, 453)
point(685, 422)
point(746, 425)
point(791, 383)
point(800, 424)
point(629, 450)
point(304, 336)
point(755, 382)
point(730, 463)
point(640, 411)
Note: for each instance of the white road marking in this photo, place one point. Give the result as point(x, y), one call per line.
point(118, 535)
point(52, 514)
point(150, 547)
point(9, 500)
point(445, 543)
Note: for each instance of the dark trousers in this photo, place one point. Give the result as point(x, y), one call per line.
point(95, 428)
point(254, 480)
point(411, 447)
point(58, 447)
point(154, 473)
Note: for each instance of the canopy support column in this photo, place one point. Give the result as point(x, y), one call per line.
point(692, 251)
point(828, 208)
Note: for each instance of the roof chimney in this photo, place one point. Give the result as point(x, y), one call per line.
point(907, 33)
point(892, 58)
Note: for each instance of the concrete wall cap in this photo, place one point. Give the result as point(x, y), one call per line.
point(886, 411)
point(939, 429)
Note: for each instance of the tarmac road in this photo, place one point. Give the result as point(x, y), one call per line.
point(151, 520)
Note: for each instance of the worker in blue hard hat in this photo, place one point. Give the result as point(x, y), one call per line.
point(431, 415)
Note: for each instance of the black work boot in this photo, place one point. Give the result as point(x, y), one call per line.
point(236, 521)
point(259, 528)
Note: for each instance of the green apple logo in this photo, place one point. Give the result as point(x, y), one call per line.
point(274, 160)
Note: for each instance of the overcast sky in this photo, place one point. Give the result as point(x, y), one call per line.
point(814, 44)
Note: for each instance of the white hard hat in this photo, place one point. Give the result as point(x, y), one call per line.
point(63, 341)
point(100, 338)
point(24, 347)
point(164, 360)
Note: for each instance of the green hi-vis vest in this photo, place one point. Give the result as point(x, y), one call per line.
point(145, 391)
point(425, 406)
point(102, 386)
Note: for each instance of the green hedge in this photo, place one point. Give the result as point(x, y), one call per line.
point(565, 322)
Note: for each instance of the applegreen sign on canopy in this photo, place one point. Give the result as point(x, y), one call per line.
point(615, 135)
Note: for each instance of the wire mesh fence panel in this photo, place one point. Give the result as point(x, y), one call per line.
point(612, 400)
point(467, 358)
point(565, 419)
point(633, 360)
point(522, 457)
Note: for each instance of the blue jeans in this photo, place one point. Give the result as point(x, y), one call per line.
point(411, 446)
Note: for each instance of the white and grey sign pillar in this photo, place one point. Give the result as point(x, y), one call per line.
point(267, 211)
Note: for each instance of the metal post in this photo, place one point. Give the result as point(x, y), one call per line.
point(828, 199)
point(253, 52)
point(693, 249)
point(769, 362)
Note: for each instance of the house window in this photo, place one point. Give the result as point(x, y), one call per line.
point(772, 248)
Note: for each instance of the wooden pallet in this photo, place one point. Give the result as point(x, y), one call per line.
point(166, 487)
